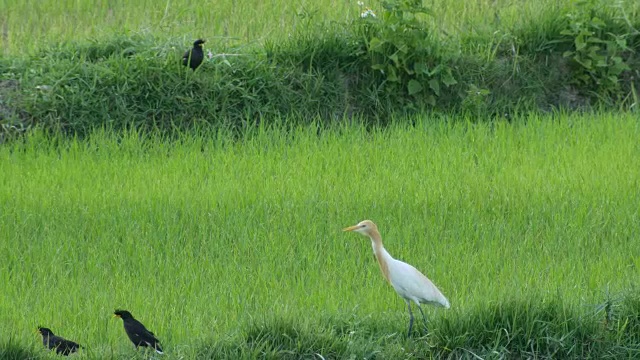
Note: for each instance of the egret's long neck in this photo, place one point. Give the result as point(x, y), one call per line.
point(381, 254)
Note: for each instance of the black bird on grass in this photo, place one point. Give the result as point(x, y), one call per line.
point(193, 57)
point(137, 333)
point(61, 345)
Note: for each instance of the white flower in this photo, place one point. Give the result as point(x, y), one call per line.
point(367, 13)
point(209, 54)
point(360, 3)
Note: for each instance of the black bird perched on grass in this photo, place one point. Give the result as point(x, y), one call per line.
point(51, 341)
point(193, 57)
point(137, 333)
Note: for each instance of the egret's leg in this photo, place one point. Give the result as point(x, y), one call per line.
point(410, 318)
point(423, 318)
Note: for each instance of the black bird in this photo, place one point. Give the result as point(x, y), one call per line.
point(193, 57)
point(51, 341)
point(137, 333)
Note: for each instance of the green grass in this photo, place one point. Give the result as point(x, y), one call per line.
point(26, 25)
point(309, 61)
point(227, 243)
point(234, 250)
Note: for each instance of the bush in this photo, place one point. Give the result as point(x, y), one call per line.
point(408, 54)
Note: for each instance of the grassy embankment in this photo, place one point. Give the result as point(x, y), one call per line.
point(234, 250)
point(75, 66)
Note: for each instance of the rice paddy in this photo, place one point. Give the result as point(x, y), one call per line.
point(26, 25)
point(235, 244)
point(228, 245)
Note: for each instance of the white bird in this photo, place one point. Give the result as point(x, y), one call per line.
point(406, 280)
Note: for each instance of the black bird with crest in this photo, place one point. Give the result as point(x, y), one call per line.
point(137, 333)
point(193, 57)
point(61, 345)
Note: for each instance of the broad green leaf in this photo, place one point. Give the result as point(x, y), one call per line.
point(394, 58)
point(391, 74)
point(421, 68)
point(434, 84)
point(448, 79)
point(580, 43)
point(375, 44)
point(622, 43)
point(431, 100)
point(414, 87)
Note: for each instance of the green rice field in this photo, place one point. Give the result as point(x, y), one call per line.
point(27, 25)
point(234, 249)
point(216, 219)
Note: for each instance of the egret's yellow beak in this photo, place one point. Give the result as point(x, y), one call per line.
point(350, 228)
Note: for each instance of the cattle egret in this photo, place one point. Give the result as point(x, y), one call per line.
point(408, 282)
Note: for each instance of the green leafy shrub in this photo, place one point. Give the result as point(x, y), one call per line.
point(597, 54)
point(408, 54)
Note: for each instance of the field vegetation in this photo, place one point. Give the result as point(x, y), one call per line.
point(310, 62)
point(234, 249)
point(494, 142)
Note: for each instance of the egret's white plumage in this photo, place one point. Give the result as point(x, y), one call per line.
point(406, 280)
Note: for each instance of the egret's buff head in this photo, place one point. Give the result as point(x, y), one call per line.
point(365, 227)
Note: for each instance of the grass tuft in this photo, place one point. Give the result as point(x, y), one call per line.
point(518, 328)
point(285, 341)
point(15, 350)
